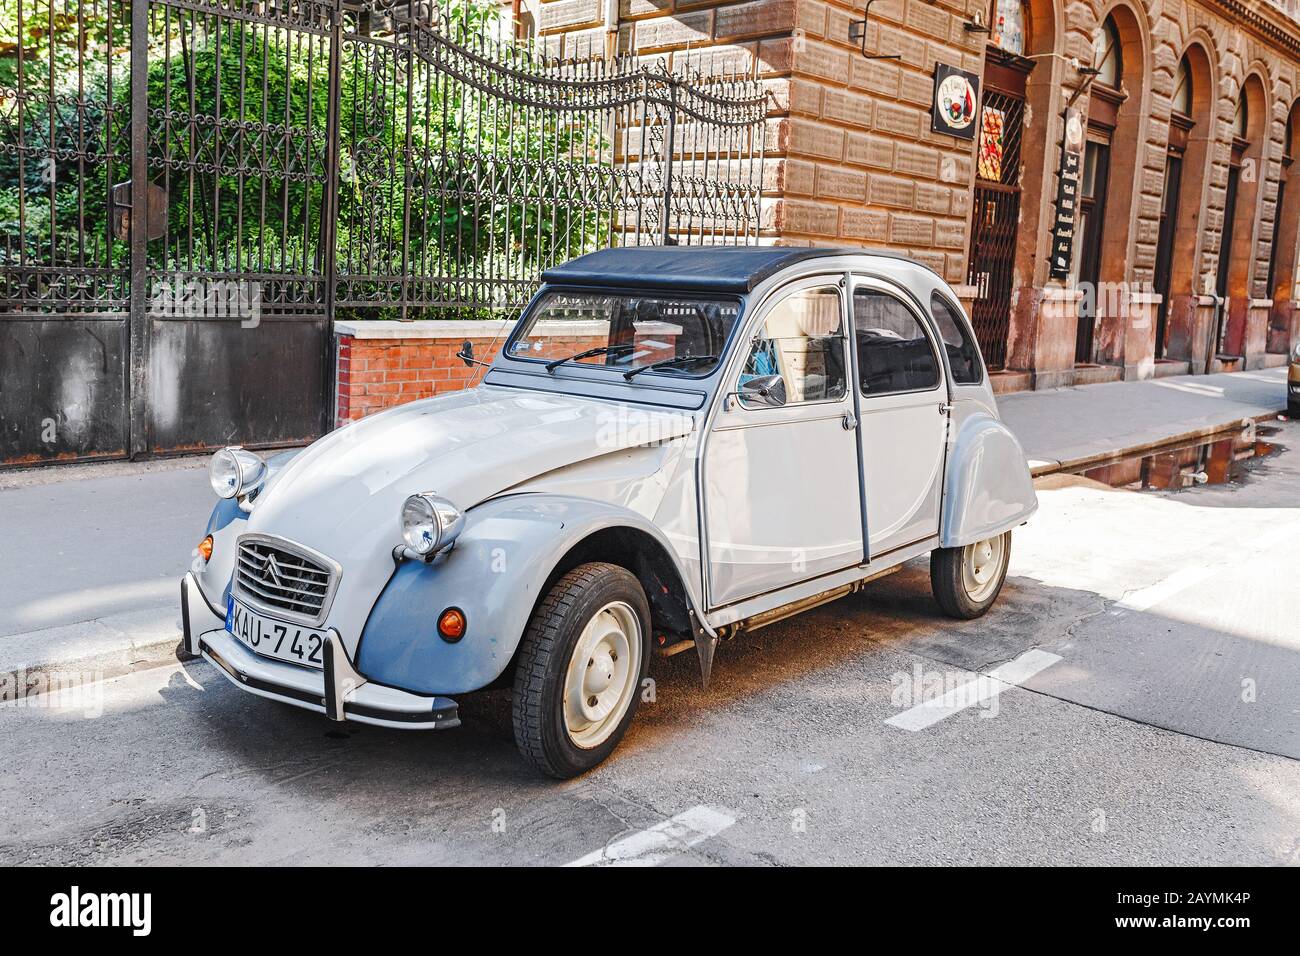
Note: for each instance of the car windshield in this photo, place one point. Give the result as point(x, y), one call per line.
point(626, 331)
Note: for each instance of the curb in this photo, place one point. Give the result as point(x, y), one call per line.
point(46, 660)
point(1039, 468)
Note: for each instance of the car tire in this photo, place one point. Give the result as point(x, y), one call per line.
point(1293, 411)
point(570, 714)
point(967, 580)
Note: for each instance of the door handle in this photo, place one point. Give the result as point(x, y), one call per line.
point(849, 421)
point(945, 408)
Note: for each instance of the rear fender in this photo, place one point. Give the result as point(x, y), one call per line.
point(987, 486)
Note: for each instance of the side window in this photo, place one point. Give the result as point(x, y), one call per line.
point(894, 352)
point(802, 340)
point(963, 353)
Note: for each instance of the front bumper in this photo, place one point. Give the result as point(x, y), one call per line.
point(337, 690)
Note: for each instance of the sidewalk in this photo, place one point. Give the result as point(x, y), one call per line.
point(1067, 428)
point(91, 556)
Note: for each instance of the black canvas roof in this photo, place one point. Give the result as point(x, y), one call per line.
point(702, 268)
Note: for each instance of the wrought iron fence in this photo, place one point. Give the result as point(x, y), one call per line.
point(166, 165)
point(64, 139)
point(360, 156)
point(499, 161)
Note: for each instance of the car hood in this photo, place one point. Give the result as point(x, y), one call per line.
point(342, 495)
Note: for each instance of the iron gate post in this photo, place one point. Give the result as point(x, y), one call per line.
point(329, 213)
point(138, 324)
point(669, 147)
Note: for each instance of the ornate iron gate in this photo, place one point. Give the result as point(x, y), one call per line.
point(995, 221)
point(304, 159)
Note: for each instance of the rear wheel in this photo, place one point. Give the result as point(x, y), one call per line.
point(580, 668)
point(967, 580)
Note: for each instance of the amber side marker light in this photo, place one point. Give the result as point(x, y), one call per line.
point(205, 549)
point(451, 625)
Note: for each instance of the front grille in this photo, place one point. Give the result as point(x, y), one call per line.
point(284, 578)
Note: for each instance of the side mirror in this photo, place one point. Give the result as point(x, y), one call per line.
point(768, 390)
point(466, 355)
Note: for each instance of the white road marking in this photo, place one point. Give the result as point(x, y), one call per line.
point(1191, 388)
point(983, 687)
point(1146, 598)
point(655, 845)
point(1185, 579)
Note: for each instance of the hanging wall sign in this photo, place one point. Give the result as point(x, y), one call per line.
point(1067, 196)
point(956, 101)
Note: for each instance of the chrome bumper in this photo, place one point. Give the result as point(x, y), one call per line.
point(337, 690)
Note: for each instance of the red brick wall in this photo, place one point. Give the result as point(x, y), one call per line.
point(378, 373)
point(374, 374)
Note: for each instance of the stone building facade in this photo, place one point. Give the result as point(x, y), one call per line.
point(1184, 246)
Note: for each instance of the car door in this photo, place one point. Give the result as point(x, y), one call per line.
point(904, 410)
point(782, 494)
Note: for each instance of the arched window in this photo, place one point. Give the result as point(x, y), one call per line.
point(1182, 98)
point(1106, 55)
point(1007, 23)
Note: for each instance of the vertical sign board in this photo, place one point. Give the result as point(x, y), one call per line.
point(1067, 196)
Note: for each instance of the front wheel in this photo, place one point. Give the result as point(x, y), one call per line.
point(581, 663)
point(966, 580)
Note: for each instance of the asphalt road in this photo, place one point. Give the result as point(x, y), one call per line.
point(58, 526)
point(1147, 711)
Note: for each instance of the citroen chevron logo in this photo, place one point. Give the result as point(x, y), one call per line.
point(270, 572)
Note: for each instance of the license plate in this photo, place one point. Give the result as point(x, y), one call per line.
point(276, 639)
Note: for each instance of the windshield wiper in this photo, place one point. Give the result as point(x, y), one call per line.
point(603, 350)
point(669, 363)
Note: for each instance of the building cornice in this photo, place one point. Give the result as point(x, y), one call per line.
point(1266, 20)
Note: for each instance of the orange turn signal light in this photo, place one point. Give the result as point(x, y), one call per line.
point(451, 625)
point(205, 548)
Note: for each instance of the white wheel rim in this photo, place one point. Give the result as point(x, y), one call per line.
point(602, 674)
point(981, 567)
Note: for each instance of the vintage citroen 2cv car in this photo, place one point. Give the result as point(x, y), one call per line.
point(673, 446)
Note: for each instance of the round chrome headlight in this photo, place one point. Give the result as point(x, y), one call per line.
point(235, 471)
point(430, 523)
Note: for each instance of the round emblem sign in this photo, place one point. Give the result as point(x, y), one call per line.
point(957, 101)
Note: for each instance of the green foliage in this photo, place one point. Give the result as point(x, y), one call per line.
point(434, 176)
point(62, 38)
point(60, 169)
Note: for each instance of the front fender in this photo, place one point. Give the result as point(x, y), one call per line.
point(494, 574)
point(987, 486)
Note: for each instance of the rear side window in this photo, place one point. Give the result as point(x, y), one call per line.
point(963, 354)
point(894, 353)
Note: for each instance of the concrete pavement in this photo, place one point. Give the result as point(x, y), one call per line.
point(92, 554)
point(1163, 731)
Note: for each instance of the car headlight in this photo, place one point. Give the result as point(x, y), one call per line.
point(235, 471)
point(430, 523)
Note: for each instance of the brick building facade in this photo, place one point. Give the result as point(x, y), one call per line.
point(1185, 250)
